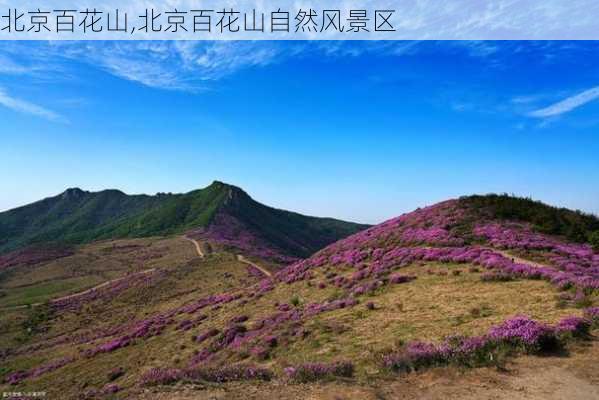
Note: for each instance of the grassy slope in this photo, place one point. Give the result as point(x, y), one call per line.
point(81, 217)
point(91, 265)
point(295, 234)
point(428, 308)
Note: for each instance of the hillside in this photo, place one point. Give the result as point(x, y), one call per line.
point(224, 211)
point(450, 287)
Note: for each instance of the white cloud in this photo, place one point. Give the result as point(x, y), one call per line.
point(26, 107)
point(568, 104)
point(7, 66)
point(172, 65)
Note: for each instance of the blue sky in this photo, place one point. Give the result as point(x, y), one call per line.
point(362, 131)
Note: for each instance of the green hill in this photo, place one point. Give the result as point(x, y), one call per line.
point(77, 216)
point(574, 225)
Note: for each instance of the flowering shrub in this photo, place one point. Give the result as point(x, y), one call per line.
point(575, 326)
point(108, 292)
point(236, 372)
point(592, 314)
point(399, 278)
point(34, 255)
point(414, 356)
point(99, 394)
point(208, 334)
point(19, 376)
point(161, 376)
point(311, 372)
point(496, 276)
point(518, 333)
point(526, 333)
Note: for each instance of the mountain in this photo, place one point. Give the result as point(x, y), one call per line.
point(221, 211)
point(461, 284)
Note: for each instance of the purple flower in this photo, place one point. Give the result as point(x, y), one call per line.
point(310, 372)
point(576, 326)
point(525, 331)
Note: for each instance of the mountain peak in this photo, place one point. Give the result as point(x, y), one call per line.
point(73, 193)
point(227, 209)
point(231, 191)
point(220, 184)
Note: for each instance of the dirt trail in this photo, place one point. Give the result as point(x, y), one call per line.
point(196, 244)
point(100, 286)
point(244, 260)
point(240, 258)
point(86, 291)
point(517, 259)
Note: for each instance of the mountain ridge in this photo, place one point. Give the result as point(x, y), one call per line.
point(77, 216)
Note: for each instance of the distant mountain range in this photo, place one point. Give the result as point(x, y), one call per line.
point(221, 212)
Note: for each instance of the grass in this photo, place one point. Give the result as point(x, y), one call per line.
point(428, 308)
point(90, 266)
point(43, 292)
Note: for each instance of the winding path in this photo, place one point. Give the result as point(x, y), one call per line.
point(240, 257)
point(517, 259)
point(244, 260)
point(86, 291)
point(198, 249)
point(196, 244)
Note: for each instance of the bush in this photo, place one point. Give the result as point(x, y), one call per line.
point(229, 373)
point(594, 240)
point(512, 336)
point(574, 225)
point(592, 314)
point(311, 372)
point(116, 373)
point(236, 372)
point(295, 301)
point(496, 276)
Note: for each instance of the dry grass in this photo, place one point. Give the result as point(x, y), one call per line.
point(91, 265)
point(428, 308)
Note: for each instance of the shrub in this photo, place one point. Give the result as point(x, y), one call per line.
point(239, 319)
point(575, 326)
point(594, 240)
point(161, 376)
point(519, 333)
point(592, 314)
point(115, 374)
point(295, 301)
point(525, 333)
point(236, 372)
point(311, 372)
point(399, 278)
point(229, 373)
point(414, 356)
point(208, 334)
point(496, 276)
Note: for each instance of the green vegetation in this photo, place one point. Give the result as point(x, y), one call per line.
point(594, 240)
point(77, 216)
point(574, 225)
point(37, 317)
point(296, 234)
